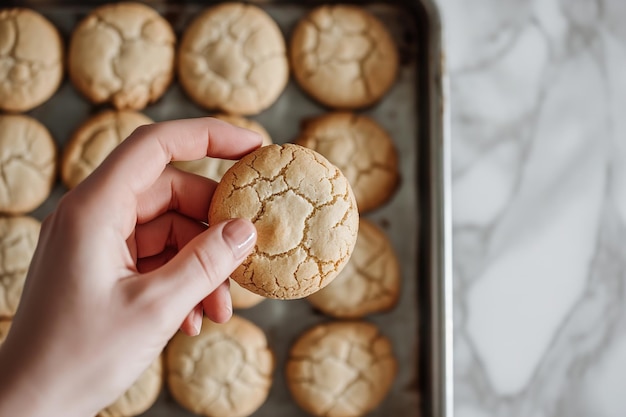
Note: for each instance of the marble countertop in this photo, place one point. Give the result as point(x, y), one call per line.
point(538, 93)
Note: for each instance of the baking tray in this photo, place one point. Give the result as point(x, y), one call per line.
point(417, 220)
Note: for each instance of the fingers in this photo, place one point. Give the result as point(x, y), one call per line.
point(170, 230)
point(218, 305)
point(193, 322)
point(176, 190)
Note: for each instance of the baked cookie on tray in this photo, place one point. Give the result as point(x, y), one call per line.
point(122, 53)
point(18, 240)
point(94, 140)
point(343, 56)
point(141, 395)
point(361, 149)
point(233, 58)
point(305, 214)
point(370, 282)
point(31, 59)
point(341, 369)
point(28, 161)
point(225, 371)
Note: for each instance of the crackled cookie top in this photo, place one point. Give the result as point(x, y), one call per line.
point(18, 239)
point(361, 149)
point(343, 56)
point(94, 140)
point(369, 283)
point(214, 168)
point(243, 298)
point(27, 164)
point(31, 59)
point(225, 371)
point(305, 215)
point(141, 395)
point(341, 369)
point(122, 53)
point(233, 58)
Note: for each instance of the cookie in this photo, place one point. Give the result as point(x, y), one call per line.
point(305, 216)
point(341, 369)
point(225, 371)
point(31, 59)
point(343, 56)
point(233, 58)
point(18, 240)
point(370, 282)
point(141, 395)
point(214, 168)
point(5, 325)
point(122, 53)
point(92, 142)
point(361, 149)
point(27, 163)
point(243, 298)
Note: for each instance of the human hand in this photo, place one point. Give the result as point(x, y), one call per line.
point(121, 263)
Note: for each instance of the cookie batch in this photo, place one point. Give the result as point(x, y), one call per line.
point(305, 198)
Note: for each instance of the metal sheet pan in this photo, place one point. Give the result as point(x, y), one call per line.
point(417, 219)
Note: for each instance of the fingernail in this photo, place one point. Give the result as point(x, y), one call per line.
point(240, 235)
point(197, 319)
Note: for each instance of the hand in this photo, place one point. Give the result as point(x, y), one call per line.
point(121, 263)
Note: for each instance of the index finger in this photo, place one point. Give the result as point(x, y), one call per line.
point(139, 160)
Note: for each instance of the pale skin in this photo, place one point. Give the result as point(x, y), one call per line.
point(122, 263)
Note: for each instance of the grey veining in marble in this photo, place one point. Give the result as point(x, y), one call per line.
point(539, 206)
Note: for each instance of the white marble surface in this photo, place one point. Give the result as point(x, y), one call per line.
point(538, 93)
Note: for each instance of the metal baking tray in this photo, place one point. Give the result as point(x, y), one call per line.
point(417, 219)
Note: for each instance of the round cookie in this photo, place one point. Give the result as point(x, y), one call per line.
point(28, 157)
point(343, 56)
point(243, 298)
point(31, 59)
point(5, 325)
point(361, 149)
point(233, 58)
point(225, 371)
point(305, 215)
point(370, 282)
point(214, 168)
point(94, 140)
point(141, 395)
point(122, 53)
point(341, 369)
point(18, 240)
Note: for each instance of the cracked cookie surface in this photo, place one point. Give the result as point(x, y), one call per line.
point(369, 283)
point(141, 395)
point(305, 214)
point(27, 164)
point(343, 56)
point(341, 369)
point(18, 239)
point(233, 58)
point(243, 298)
point(122, 53)
point(361, 149)
point(31, 59)
point(225, 371)
point(214, 168)
point(94, 140)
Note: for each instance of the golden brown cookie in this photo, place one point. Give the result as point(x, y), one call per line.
point(370, 282)
point(361, 149)
point(225, 371)
point(341, 369)
point(343, 56)
point(28, 157)
point(5, 325)
point(122, 53)
point(214, 168)
point(233, 58)
point(305, 215)
point(31, 59)
point(18, 239)
point(243, 298)
point(141, 395)
point(94, 140)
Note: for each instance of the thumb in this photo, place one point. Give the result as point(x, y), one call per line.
point(202, 265)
